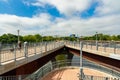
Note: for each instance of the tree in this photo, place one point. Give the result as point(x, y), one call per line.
point(38, 37)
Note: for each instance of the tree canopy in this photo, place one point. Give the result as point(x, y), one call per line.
point(11, 38)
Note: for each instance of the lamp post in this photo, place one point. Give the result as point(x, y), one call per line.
point(97, 41)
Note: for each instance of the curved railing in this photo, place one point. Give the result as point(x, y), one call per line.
point(50, 66)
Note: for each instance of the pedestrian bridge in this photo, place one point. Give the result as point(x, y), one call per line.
point(12, 57)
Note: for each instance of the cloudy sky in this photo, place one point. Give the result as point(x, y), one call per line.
point(60, 17)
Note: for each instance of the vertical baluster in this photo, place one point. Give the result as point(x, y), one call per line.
point(114, 48)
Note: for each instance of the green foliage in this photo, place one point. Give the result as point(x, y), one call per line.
point(8, 38)
point(103, 37)
point(48, 38)
point(11, 38)
point(60, 57)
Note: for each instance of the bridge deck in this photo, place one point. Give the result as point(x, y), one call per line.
point(13, 58)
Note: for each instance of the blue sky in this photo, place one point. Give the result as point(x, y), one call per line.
point(19, 8)
point(59, 17)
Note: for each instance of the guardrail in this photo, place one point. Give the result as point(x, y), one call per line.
point(62, 64)
point(50, 66)
point(109, 47)
point(13, 53)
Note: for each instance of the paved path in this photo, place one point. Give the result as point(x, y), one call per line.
point(72, 74)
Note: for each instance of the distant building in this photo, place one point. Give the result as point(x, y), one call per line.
point(72, 35)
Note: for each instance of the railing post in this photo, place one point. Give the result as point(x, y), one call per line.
point(104, 47)
point(1, 78)
point(91, 45)
point(91, 78)
point(0, 52)
point(35, 47)
point(86, 44)
point(41, 45)
point(14, 52)
point(106, 78)
point(114, 48)
point(97, 45)
point(19, 77)
point(25, 49)
point(36, 77)
point(81, 61)
point(45, 46)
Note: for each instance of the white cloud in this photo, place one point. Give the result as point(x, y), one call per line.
point(67, 7)
point(106, 19)
point(11, 23)
point(42, 23)
point(108, 7)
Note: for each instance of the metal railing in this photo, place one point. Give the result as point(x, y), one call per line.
point(108, 47)
point(50, 66)
point(13, 53)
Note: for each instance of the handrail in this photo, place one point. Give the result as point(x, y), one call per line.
point(14, 53)
point(64, 64)
point(50, 66)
